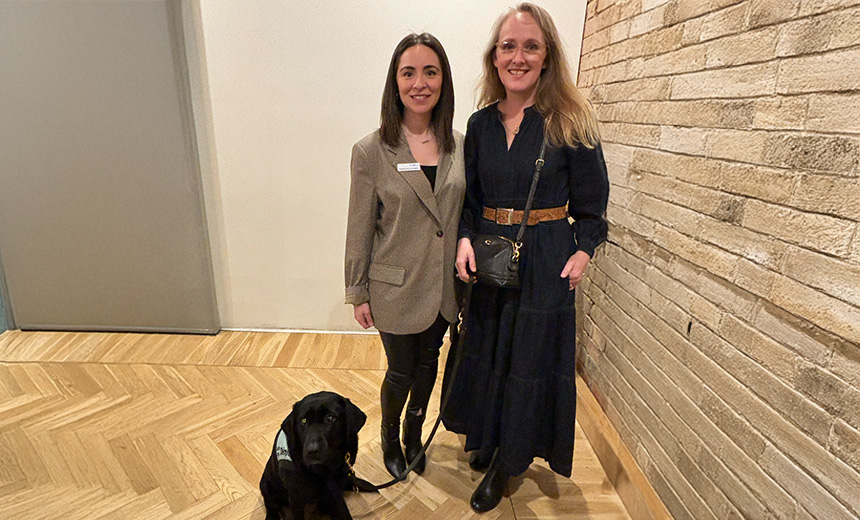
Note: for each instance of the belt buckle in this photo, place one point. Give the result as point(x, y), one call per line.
point(509, 216)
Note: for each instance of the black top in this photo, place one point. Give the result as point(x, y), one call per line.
point(430, 172)
point(499, 177)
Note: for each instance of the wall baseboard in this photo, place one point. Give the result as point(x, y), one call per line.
point(637, 494)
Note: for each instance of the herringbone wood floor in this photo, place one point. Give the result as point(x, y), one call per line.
point(150, 426)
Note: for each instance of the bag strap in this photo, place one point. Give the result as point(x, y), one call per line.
point(538, 167)
point(360, 484)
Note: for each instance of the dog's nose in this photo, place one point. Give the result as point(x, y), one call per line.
point(314, 448)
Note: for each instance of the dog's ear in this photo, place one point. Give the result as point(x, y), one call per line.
point(355, 419)
point(294, 440)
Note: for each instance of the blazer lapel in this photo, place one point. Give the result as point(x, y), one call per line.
point(416, 179)
point(445, 162)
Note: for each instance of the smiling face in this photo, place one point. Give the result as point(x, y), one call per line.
point(419, 79)
point(519, 71)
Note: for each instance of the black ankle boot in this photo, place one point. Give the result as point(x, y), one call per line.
point(489, 492)
point(392, 453)
point(412, 438)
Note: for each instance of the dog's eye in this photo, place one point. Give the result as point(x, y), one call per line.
point(330, 418)
point(304, 420)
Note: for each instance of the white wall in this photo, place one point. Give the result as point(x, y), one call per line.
point(292, 86)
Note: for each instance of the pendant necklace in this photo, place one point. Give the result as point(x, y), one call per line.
point(428, 133)
point(514, 131)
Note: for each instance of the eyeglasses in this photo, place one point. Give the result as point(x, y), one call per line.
point(509, 47)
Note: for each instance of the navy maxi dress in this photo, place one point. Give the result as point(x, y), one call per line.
point(514, 389)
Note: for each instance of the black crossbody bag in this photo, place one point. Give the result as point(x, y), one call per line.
point(498, 258)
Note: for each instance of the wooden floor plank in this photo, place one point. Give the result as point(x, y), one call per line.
point(9, 386)
point(158, 426)
point(27, 456)
point(130, 459)
point(260, 348)
point(288, 349)
point(193, 472)
point(147, 506)
point(122, 348)
point(229, 481)
point(240, 458)
point(166, 472)
point(100, 457)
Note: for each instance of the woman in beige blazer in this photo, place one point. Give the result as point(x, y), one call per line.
point(406, 195)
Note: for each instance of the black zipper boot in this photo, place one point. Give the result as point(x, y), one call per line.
point(392, 400)
point(416, 411)
point(412, 438)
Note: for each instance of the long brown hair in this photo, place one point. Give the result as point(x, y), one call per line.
point(442, 117)
point(569, 118)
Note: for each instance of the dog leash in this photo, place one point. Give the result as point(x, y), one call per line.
point(359, 484)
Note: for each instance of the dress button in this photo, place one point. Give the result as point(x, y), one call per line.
point(439, 233)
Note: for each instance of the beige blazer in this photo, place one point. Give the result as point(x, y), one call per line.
point(401, 237)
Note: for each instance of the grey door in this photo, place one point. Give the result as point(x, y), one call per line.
point(102, 224)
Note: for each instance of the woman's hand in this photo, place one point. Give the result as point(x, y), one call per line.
point(574, 269)
point(362, 315)
point(465, 258)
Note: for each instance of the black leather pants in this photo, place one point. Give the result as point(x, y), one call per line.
point(413, 361)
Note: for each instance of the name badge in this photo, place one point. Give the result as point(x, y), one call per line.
point(408, 167)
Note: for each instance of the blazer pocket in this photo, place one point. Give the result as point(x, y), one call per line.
point(386, 273)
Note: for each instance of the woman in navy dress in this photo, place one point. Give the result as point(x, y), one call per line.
point(514, 396)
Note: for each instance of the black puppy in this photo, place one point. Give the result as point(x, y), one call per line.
point(312, 458)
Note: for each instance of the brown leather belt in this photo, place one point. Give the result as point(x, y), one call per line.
point(511, 217)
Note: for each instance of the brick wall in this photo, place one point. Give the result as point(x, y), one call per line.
point(720, 324)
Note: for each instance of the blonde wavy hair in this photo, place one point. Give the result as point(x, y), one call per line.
point(569, 117)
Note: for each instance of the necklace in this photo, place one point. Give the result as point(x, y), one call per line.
point(427, 134)
point(514, 131)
